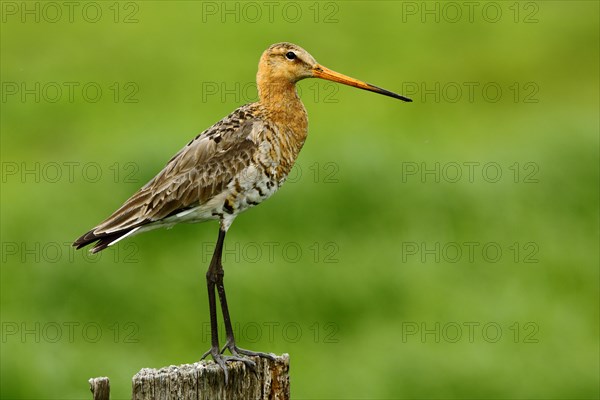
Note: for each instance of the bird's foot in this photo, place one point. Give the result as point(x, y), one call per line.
point(221, 360)
point(238, 352)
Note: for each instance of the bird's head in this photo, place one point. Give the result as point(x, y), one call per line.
point(288, 63)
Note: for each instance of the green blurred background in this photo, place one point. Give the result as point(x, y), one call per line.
point(352, 268)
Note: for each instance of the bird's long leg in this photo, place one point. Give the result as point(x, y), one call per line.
point(230, 344)
point(214, 278)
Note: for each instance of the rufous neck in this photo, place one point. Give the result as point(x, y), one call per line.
point(277, 94)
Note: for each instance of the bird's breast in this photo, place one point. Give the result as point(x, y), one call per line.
point(273, 160)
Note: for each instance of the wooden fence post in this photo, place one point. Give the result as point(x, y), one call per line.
point(100, 388)
point(205, 380)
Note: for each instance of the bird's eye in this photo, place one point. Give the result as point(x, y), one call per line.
point(290, 55)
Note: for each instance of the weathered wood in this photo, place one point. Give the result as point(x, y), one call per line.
point(100, 388)
point(205, 380)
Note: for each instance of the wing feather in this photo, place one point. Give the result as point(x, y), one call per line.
point(198, 172)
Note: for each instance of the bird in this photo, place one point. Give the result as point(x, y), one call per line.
point(230, 167)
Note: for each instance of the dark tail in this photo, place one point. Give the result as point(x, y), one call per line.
point(103, 239)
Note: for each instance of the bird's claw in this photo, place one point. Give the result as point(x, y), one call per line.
point(236, 352)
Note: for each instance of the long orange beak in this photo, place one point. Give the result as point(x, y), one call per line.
point(325, 73)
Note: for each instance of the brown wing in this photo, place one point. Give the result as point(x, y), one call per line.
point(201, 170)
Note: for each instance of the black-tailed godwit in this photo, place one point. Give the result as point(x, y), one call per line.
point(230, 167)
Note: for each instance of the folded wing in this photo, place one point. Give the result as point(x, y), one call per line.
point(200, 171)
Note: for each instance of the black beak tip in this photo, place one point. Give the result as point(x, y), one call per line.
point(385, 92)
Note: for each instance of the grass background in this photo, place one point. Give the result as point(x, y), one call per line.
point(361, 312)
